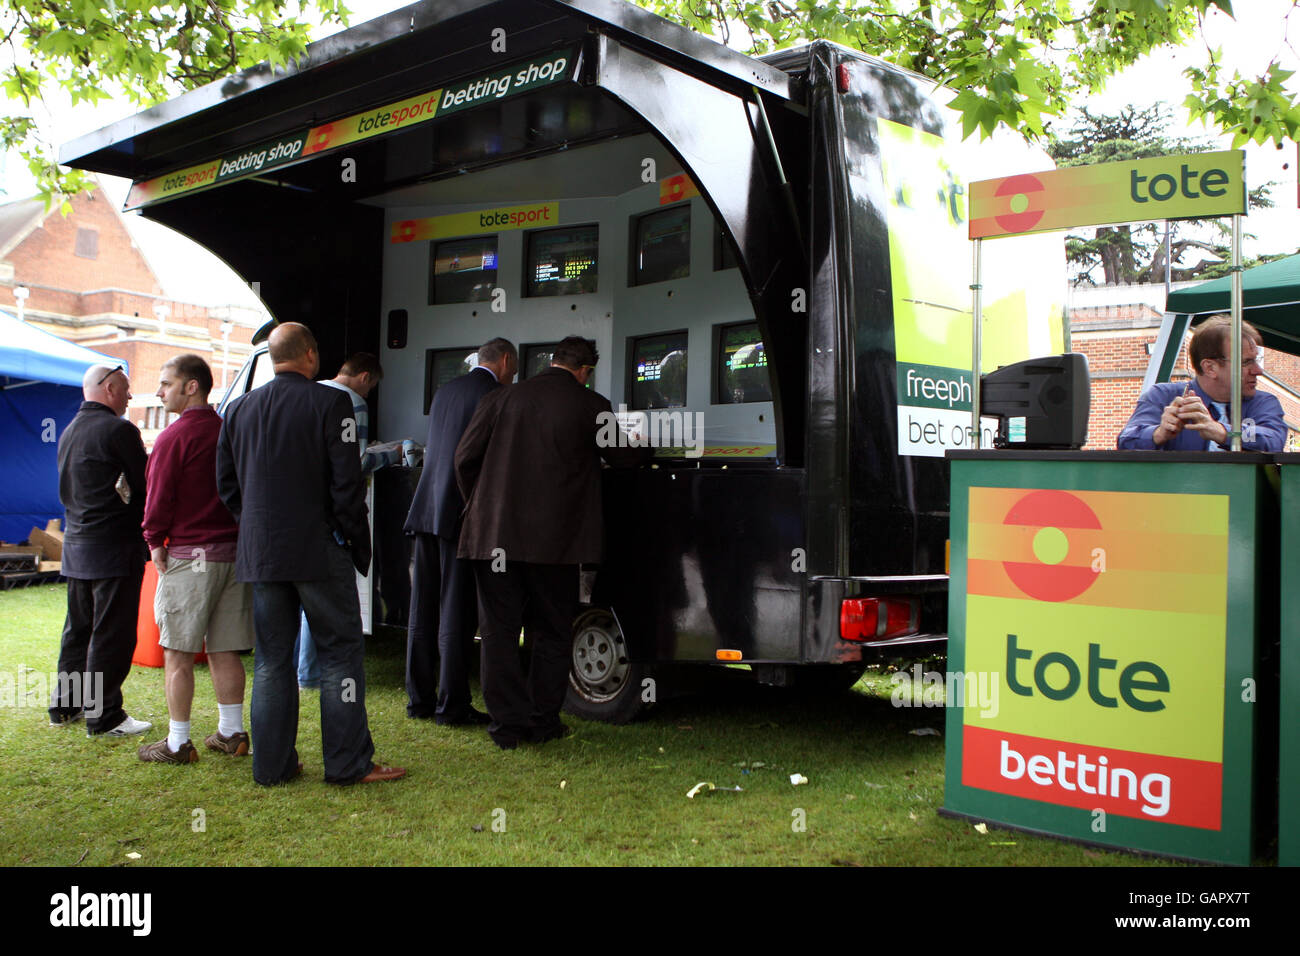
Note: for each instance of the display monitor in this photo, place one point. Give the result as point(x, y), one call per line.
point(535, 358)
point(660, 246)
point(462, 270)
point(561, 261)
point(442, 365)
point(657, 371)
point(1039, 403)
point(741, 373)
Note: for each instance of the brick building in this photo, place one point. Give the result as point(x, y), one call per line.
point(87, 281)
point(1116, 327)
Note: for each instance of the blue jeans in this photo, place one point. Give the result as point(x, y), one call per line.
point(334, 614)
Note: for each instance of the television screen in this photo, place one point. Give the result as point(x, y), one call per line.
point(561, 261)
point(441, 366)
point(742, 374)
point(657, 371)
point(462, 270)
point(661, 246)
point(535, 358)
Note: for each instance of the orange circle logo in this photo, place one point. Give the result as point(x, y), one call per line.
point(1020, 190)
point(1050, 515)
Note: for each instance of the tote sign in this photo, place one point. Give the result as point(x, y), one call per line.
point(1195, 186)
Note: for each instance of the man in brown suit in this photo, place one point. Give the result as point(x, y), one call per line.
point(528, 466)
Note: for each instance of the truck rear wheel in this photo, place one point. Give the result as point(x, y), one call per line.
point(604, 683)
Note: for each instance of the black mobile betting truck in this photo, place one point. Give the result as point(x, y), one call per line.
point(770, 253)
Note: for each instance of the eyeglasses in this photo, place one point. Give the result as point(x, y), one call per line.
point(120, 368)
point(1256, 360)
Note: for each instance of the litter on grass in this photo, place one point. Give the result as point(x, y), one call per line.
point(797, 778)
point(711, 789)
point(924, 732)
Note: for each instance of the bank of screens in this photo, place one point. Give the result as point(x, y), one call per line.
point(661, 246)
point(657, 371)
point(442, 365)
point(561, 261)
point(741, 373)
point(462, 270)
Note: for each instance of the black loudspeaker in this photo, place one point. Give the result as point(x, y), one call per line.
point(397, 329)
point(1039, 403)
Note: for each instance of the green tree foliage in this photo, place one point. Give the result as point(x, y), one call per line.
point(1013, 61)
point(1136, 252)
point(147, 50)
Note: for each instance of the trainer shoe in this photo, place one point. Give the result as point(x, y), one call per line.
point(160, 753)
point(236, 744)
point(62, 720)
point(130, 727)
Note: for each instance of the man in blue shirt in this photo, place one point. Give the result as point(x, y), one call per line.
point(356, 378)
point(1196, 416)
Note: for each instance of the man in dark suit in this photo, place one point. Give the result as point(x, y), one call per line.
point(289, 471)
point(434, 521)
point(529, 468)
point(101, 485)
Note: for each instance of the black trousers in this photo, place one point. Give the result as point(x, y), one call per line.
point(546, 597)
point(95, 655)
point(422, 628)
point(440, 632)
point(457, 622)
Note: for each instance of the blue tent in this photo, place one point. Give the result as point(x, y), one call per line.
point(40, 391)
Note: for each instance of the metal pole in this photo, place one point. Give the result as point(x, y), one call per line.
point(1168, 264)
point(976, 344)
point(1236, 332)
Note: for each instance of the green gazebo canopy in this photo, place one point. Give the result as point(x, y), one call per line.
point(1270, 298)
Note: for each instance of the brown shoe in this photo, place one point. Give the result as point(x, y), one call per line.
point(160, 753)
point(378, 773)
point(236, 744)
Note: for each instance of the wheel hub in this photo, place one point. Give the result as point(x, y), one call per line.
point(600, 663)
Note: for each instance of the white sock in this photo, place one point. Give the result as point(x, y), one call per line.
point(230, 720)
point(178, 732)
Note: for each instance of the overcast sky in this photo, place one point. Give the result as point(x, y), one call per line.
point(1260, 33)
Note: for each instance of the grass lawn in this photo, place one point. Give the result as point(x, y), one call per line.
point(607, 795)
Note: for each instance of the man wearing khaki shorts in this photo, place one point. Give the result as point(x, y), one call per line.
point(191, 538)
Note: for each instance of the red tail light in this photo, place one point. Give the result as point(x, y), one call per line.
point(877, 619)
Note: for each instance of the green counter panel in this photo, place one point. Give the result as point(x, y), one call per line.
point(1111, 601)
point(1288, 837)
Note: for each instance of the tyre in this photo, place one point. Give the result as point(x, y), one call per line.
point(604, 683)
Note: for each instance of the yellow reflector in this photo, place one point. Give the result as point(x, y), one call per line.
point(947, 556)
point(728, 655)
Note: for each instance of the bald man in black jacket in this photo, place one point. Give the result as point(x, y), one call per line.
point(289, 471)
